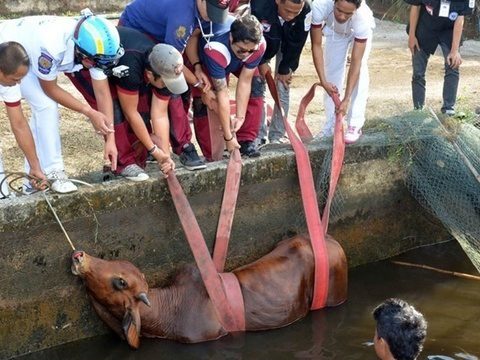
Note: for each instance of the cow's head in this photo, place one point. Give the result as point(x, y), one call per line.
point(117, 290)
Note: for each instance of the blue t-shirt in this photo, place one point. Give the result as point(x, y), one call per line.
point(166, 21)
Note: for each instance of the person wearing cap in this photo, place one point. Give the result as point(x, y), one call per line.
point(140, 101)
point(237, 48)
point(61, 44)
point(433, 23)
point(14, 65)
point(286, 24)
point(173, 22)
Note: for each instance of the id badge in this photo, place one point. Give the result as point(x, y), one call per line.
point(444, 8)
point(471, 4)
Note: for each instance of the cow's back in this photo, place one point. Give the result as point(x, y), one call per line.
point(277, 288)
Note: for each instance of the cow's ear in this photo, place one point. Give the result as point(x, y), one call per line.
point(131, 327)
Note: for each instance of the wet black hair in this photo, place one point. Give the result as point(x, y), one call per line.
point(12, 56)
point(402, 327)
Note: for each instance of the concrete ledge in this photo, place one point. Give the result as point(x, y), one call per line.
point(42, 304)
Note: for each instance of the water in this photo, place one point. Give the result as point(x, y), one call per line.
point(450, 305)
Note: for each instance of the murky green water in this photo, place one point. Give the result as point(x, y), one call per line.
point(450, 304)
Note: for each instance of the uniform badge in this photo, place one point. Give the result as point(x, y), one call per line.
point(453, 16)
point(181, 32)
point(45, 63)
point(266, 26)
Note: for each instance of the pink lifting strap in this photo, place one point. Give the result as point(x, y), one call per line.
point(338, 146)
point(229, 203)
point(310, 205)
point(217, 291)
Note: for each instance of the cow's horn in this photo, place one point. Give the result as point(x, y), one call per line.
point(142, 296)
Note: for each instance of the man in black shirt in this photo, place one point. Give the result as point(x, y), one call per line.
point(141, 99)
point(433, 23)
point(286, 24)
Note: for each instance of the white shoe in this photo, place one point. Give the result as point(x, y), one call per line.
point(352, 135)
point(281, 141)
point(134, 172)
point(60, 182)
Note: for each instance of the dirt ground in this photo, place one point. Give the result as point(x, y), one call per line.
point(390, 94)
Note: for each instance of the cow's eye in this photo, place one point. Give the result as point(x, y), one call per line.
point(119, 283)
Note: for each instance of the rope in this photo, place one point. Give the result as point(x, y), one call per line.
point(21, 175)
point(58, 220)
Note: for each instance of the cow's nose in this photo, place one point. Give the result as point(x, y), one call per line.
point(77, 255)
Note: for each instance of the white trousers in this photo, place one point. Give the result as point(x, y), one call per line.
point(335, 58)
point(44, 124)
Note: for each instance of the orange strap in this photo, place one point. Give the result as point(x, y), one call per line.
point(337, 162)
point(310, 205)
point(338, 146)
point(230, 195)
point(300, 125)
point(217, 144)
point(216, 290)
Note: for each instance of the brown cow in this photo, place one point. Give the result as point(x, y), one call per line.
point(277, 290)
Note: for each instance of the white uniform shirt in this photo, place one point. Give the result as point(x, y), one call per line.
point(360, 25)
point(49, 44)
point(10, 94)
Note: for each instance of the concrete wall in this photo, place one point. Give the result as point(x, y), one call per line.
point(42, 304)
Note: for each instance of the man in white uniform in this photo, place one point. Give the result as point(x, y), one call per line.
point(343, 22)
point(60, 44)
point(14, 65)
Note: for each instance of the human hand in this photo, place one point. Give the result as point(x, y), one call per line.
point(232, 144)
point(38, 179)
point(454, 59)
point(413, 44)
point(330, 88)
point(166, 166)
point(236, 123)
point(286, 80)
point(343, 107)
point(210, 100)
point(110, 153)
point(203, 78)
point(100, 122)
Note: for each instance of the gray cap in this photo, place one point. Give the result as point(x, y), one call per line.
point(167, 62)
point(217, 10)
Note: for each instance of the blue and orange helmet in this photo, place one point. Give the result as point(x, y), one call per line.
point(97, 39)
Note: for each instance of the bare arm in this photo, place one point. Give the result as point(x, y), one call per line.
point(24, 138)
point(55, 92)
point(413, 21)
point(192, 54)
point(316, 35)
point(223, 100)
point(161, 128)
point(103, 96)
point(454, 59)
point(353, 74)
point(242, 95)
